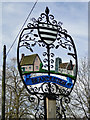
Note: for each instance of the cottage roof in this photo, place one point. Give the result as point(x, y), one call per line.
point(28, 60)
point(63, 65)
point(67, 66)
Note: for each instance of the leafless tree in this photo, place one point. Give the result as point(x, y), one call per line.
point(17, 103)
point(79, 106)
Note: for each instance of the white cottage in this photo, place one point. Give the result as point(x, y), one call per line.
point(67, 68)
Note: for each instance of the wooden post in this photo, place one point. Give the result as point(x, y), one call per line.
point(51, 108)
point(3, 82)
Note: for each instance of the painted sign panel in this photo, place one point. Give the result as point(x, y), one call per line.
point(46, 78)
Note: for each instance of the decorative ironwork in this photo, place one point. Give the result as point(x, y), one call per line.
point(46, 32)
point(38, 101)
point(60, 112)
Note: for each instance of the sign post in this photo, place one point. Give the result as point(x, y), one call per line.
point(48, 80)
point(51, 108)
point(3, 82)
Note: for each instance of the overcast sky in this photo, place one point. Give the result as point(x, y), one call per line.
point(73, 15)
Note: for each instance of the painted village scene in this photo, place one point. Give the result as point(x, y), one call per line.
point(33, 63)
point(32, 68)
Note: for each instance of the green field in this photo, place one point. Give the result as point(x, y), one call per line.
point(46, 71)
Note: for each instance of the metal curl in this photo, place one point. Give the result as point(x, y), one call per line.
point(45, 60)
point(33, 20)
point(44, 54)
point(53, 88)
point(67, 100)
point(42, 16)
point(52, 66)
point(64, 30)
point(59, 28)
point(31, 99)
point(52, 61)
point(45, 87)
point(40, 19)
point(43, 45)
point(41, 97)
point(60, 24)
point(36, 89)
point(54, 22)
point(45, 65)
point(30, 25)
point(52, 55)
point(52, 46)
point(41, 116)
point(51, 17)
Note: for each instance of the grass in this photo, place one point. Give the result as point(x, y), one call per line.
point(46, 71)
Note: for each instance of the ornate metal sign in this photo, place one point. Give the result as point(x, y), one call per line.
point(45, 38)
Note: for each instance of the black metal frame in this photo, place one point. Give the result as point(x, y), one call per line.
point(48, 89)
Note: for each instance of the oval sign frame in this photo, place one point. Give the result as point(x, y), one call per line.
point(68, 44)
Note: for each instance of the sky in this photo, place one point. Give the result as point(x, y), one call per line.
point(73, 15)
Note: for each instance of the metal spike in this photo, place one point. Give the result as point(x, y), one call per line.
point(47, 10)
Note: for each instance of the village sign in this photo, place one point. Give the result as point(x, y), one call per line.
point(49, 77)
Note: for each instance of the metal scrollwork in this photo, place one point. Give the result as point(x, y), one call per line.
point(38, 100)
point(30, 38)
point(60, 107)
